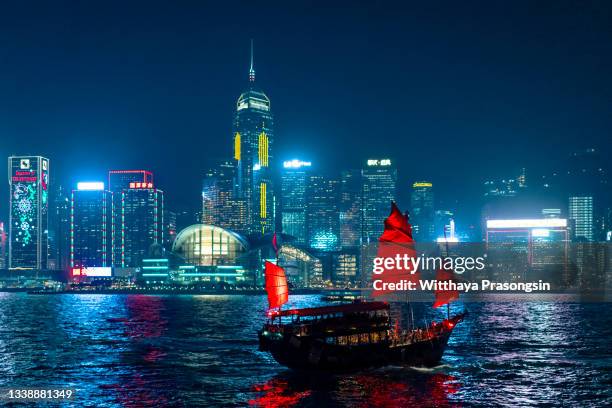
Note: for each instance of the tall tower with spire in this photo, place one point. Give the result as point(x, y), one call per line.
point(253, 140)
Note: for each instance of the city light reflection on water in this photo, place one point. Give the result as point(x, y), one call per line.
point(136, 350)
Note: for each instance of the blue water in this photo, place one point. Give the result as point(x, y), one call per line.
point(136, 350)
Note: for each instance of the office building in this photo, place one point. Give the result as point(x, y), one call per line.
point(253, 136)
point(138, 216)
point(378, 190)
point(322, 215)
point(28, 212)
point(294, 181)
point(91, 237)
point(350, 209)
point(220, 207)
point(59, 228)
point(422, 214)
point(580, 213)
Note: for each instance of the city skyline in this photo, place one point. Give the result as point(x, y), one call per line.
point(292, 204)
point(148, 113)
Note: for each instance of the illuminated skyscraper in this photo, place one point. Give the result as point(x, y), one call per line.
point(581, 217)
point(138, 216)
point(220, 207)
point(350, 209)
point(322, 215)
point(294, 181)
point(422, 213)
point(28, 213)
point(378, 178)
point(59, 228)
point(253, 141)
point(90, 225)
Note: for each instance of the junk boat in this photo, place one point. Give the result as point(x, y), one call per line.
point(356, 335)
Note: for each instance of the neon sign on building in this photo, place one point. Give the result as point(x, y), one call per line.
point(28, 224)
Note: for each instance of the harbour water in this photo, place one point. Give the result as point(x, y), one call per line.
point(138, 350)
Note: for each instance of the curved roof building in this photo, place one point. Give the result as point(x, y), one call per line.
point(207, 245)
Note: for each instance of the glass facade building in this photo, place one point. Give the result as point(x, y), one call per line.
point(322, 215)
point(294, 181)
point(350, 209)
point(59, 228)
point(581, 215)
point(141, 226)
point(207, 245)
point(219, 204)
point(253, 139)
point(379, 180)
point(28, 212)
point(422, 213)
point(91, 237)
point(138, 216)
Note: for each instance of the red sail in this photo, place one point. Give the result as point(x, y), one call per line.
point(276, 285)
point(396, 240)
point(444, 296)
point(397, 227)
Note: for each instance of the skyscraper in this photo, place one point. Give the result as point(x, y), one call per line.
point(253, 141)
point(59, 228)
point(350, 209)
point(90, 226)
point(294, 181)
point(422, 213)
point(322, 215)
point(138, 216)
point(219, 204)
point(28, 212)
point(581, 216)
point(379, 179)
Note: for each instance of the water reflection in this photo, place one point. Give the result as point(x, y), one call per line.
point(193, 351)
point(389, 387)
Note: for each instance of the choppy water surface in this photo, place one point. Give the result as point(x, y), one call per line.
point(136, 350)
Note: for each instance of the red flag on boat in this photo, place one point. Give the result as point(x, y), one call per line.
point(276, 285)
point(445, 296)
point(396, 240)
point(275, 243)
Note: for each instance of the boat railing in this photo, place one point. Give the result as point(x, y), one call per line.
point(326, 326)
point(436, 329)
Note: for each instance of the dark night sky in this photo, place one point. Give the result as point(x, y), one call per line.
point(454, 91)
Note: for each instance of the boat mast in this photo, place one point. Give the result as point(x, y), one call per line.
point(447, 254)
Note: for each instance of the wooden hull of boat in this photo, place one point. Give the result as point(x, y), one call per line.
point(314, 354)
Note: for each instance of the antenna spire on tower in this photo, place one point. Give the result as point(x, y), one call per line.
point(252, 69)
